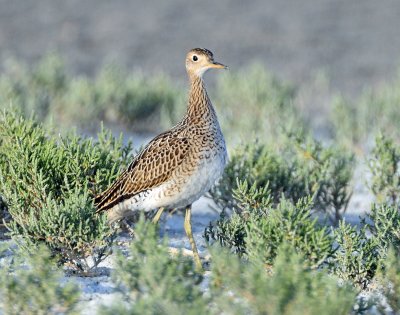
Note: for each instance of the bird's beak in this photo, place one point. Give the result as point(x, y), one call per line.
point(218, 65)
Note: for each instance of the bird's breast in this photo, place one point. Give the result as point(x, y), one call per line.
point(209, 168)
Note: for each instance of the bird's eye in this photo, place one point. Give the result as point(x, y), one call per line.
point(195, 58)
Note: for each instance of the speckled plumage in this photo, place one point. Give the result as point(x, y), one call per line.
point(178, 166)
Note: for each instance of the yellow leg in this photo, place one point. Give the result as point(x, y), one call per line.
point(158, 215)
point(188, 229)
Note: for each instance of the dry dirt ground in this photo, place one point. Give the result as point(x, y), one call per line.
point(355, 42)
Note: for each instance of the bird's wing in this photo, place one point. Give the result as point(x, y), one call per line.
point(150, 168)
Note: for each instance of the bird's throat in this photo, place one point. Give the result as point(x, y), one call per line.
point(199, 107)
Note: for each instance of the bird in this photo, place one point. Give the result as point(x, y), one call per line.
point(178, 166)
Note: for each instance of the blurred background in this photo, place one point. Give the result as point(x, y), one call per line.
point(324, 50)
point(355, 42)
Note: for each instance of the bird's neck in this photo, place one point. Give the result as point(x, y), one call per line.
point(199, 108)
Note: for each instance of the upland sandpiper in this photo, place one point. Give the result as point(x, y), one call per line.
point(178, 166)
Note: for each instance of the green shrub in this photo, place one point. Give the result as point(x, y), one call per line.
point(150, 103)
point(47, 90)
point(155, 282)
point(292, 224)
point(260, 228)
point(31, 285)
point(141, 102)
point(299, 168)
point(354, 122)
point(231, 231)
point(48, 182)
point(291, 288)
point(390, 279)
point(33, 90)
point(385, 226)
point(348, 126)
point(152, 98)
point(263, 103)
point(384, 165)
point(357, 257)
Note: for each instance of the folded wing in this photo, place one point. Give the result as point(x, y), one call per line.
point(150, 168)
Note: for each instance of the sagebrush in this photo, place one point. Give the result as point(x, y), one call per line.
point(154, 282)
point(258, 230)
point(355, 122)
point(297, 168)
point(48, 182)
point(53, 95)
point(31, 284)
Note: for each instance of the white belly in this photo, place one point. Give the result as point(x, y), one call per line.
point(201, 181)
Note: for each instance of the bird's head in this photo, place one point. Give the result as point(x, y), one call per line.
point(199, 60)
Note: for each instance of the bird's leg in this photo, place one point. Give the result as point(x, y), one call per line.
point(158, 215)
point(188, 229)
